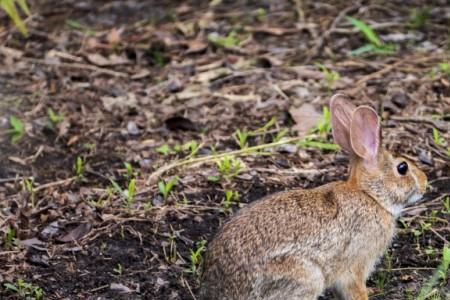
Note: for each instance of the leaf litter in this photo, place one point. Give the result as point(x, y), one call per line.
point(131, 77)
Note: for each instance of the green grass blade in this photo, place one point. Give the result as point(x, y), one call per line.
point(318, 145)
point(441, 269)
point(369, 33)
point(9, 7)
point(16, 124)
point(364, 49)
point(24, 6)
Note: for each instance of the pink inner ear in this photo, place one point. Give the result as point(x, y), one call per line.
point(341, 112)
point(364, 133)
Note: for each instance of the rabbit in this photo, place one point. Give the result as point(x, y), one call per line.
point(295, 244)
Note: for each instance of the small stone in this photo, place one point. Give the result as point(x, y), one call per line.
point(204, 151)
point(132, 128)
point(400, 99)
point(175, 86)
point(4, 123)
point(388, 106)
point(287, 148)
point(198, 219)
point(50, 230)
point(158, 200)
point(39, 260)
point(145, 163)
point(302, 92)
point(425, 157)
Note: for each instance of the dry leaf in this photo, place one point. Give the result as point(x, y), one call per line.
point(113, 36)
point(120, 103)
point(76, 234)
point(102, 61)
point(120, 288)
point(305, 117)
point(211, 75)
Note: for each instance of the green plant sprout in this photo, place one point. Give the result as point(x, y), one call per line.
point(128, 194)
point(9, 6)
point(241, 137)
point(230, 40)
point(265, 127)
point(330, 76)
point(375, 45)
point(131, 190)
point(323, 126)
point(430, 250)
point(103, 199)
point(230, 197)
point(119, 269)
point(196, 257)
point(280, 134)
point(213, 178)
point(79, 167)
point(10, 237)
point(173, 253)
point(130, 171)
point(437, 138)
point(166, 187)
point(164, 149)
point(418, 18)
point(439, 274)
point(229, 166)
point(192, 146)
point(261, 15)
point(25, 290)
point(446, 203)
point(28, 185)
point(17, 130)
point(54, 117)
point(77, 25)
point(382, 276)
point(444, 67)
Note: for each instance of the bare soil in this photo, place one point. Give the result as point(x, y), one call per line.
point(128, 77)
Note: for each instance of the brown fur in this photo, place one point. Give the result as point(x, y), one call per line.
point(294, 244)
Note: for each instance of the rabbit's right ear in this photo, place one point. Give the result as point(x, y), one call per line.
point(365, 134)
point(341, 115)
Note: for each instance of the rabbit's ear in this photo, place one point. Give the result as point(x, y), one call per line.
point(341, 115)
point(365, 133)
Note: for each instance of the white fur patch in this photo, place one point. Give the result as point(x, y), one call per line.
point(414, 197)
point(396, 209)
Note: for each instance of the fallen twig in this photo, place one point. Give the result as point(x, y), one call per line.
point(80, 66)
point(203, 159)
point(55, 183)
point(441, 125)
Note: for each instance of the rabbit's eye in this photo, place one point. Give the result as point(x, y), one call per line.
point(402, 168)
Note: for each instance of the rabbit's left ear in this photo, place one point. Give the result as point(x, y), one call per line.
point(365, 134)
point(341, 115)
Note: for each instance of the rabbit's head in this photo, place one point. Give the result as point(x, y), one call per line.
point(393, 181)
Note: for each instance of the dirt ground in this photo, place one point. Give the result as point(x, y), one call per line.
point(98, 84)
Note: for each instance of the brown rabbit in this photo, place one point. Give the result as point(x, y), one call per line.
point(295, 244)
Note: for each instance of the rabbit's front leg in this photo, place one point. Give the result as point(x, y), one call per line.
point(351, 286)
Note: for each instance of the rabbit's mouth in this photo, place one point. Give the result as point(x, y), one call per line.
point(413, 197)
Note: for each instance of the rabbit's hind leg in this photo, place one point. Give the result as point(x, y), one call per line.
point(287, 278)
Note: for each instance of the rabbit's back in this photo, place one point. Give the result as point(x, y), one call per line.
point(324, 229)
